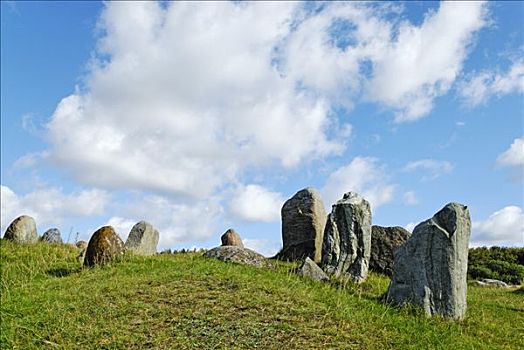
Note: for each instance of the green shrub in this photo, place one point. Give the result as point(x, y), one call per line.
point(505, 264)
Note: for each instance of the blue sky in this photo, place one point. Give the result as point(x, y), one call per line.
point(203, 116)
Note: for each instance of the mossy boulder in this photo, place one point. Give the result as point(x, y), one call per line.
point(103, 247)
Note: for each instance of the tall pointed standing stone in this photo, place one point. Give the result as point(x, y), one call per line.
point(303, 221)
point(347, 238)
point(430, 270)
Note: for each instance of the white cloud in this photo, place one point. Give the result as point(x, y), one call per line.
point(176, 221)
point(514, 155)
point(27, 161)
point(51, 205)
point(410, 198)
point(256, 203)
point(427, 58)
point(180, 99)
point(122, 226)
point(265, 247)
point(364, 175)
point(434, 168)
point(504, 227)
point(478, 88)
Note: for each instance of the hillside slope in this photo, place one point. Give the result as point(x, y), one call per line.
point(185, 301)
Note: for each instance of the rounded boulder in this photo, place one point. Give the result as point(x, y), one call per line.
point(22, 230)
point(52, 236)
point(103, 247)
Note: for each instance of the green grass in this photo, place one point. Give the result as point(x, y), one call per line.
point(185, 301)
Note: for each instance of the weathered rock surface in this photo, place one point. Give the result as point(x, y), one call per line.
point(142, 239)
point(347, 238)
point(231, 237)
point(103, 247)
point(52, 236)
point(310, 269)
point(238, 255)
point(22, 230)
point(81, 244)
point(492, 283)
point(430, 269)
point(303, 222)
point(384, 243)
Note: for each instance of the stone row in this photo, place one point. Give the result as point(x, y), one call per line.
point(428, 268)
point(104, 245)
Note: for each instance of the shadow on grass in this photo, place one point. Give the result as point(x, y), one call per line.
point(63, 271)
point(519, 291)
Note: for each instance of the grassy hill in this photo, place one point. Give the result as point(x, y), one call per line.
point(185, 301)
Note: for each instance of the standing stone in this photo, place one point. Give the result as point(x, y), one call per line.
point(310, 269)
point(103, 247)
point(22, 230)
point(347, 238)
point(142, 239)
point(231, 237)
point(430, 270)
point(52, 236)
point(303, 221)
point(384, 243)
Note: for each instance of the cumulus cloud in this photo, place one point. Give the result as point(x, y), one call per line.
point(176, 221)
point(256, 203)
point(51, 205)
point(514, 157)
point(478, 88)
point(122, 226)
point(434, 168)
point(504, 227)
point(181, 99)
point(428, 58)
point(364, 175)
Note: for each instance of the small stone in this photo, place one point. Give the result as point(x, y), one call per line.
point(52, 236)
point(303, 222)
point(103, 247)
point(142, 239)
point(238, 255)
point(310, 269)
point(81, 244)
point(430, 270)
point(493, 283)
point(347, 238)
point(231, 238)
point(22, 230)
